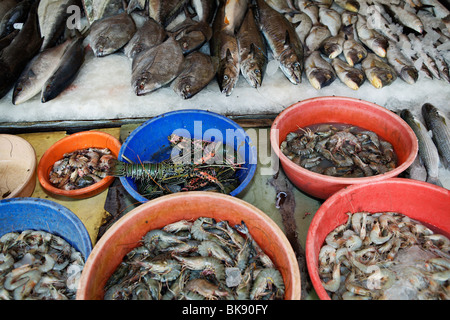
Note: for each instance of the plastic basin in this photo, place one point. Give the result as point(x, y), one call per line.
point(127, 233)
point(367, 115)
point(76, 141)
point(21, 214)
point(418, 200)
point(17, 167)
point(149, 142)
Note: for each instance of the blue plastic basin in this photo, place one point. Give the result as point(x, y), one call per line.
point(19, 214)
point(149, 142)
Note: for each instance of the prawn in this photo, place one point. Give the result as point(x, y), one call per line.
point(267, 278)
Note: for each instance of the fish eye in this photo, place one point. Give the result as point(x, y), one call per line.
point(257, 71)
point(225, 77)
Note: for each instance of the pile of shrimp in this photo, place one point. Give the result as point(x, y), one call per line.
point(37, 265)
point(371, 257)
point(81, 168)
point(196, 260)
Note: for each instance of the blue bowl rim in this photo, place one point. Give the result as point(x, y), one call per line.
point(86, 247)
point(253, 154)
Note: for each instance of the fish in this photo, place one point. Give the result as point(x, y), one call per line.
point(66, 72)
point(5, 41)
point(371, 38)
point(37, 72)
point(442, 66)
point(318, 71)
point(317, 35)
point(330, 18)
point(310, 9)
point(376, 20)
point(417, 170)
point(405, 17)
point(200, 69)
point(224, 47)
point(352, 77)
point(99, 9)
point(110, 34)
point(333, 46)
point(379, 73)
point(282, 6)
point(156, 67)
point(439, 124)
point(302, 24)
point(354, 51)
point(53, 16)
point(165, 11)
point(350, 5)
point(234, 14)
point(14, 58)
point(205, 9)
point(427, 149)
point(191, 35)
point(17, 14)
point(150, 34)
point(282, 39)
point(252, 51)
point(402, 65)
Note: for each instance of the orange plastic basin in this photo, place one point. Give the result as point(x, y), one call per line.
point(367, 115)
point(76, 141)
point(126, 234)
point(418, 200)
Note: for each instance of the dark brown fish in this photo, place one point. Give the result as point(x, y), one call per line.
point(165, 11)
point(191, 35)
point(150, 34)
point(205, 9)
point(14, 58)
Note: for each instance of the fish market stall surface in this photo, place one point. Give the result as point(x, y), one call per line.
point(102, 90)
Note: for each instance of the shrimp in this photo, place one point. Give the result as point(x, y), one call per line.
point(354, 288)
point(159, 238)
point(237, 239)
point(207, 265)
point(198, 231)
point(178, 226)
point(206, 289)
point(334, 283)
point(210, 248)
point(327, 257)
point(267, 278)
point(376, 237)
point(8, 240)
point(165, 270)
point(6, 261)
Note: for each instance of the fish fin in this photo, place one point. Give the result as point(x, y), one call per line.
point(287, 40)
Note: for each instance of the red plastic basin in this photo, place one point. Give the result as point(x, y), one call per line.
point(367, 115)
point(418, 200)
point(127, 233)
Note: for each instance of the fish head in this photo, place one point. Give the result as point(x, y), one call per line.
point(380, 77)
point(332, 50)
point(354, 79)
point(252, 73)
point(102, 47)
point(320, 78)
point(184, 86)
point(409, 75)
point(354, 56)
point(191, 41)
point(291, 66)
point(141, 84)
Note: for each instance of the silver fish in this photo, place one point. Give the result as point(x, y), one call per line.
point(330, 18)
point(333, 46)
point(371, 38)
point(66, 72)
point(224, 47)
point(235, 11)
point(150, 34)
point(252, 51)
point(442, 67)
point(405, 17)
point(318, 71)
point(352, 77)
point(156, 67)
point(199, 70)
point(37, 72)
point(302, 24)
point(439, 125)
point(376, 20)
point(283, 41)
point(427, 150)
point(317, 35)
point(111, 33)
point(378, 72)
point(354, 51)
point(402, 65)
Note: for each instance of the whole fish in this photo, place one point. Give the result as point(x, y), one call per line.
point(234, 14)
point(379, 73)
point(352, 77)
point(111, 33)
point(150, 34)
point(14, 58)
point(66, 72)
point(330, 18)
point(53, 16)
point(252, 50)
point(405, 17)
point(199, 70)
point(37, 72)
point(17, 14)
point(350, 5)
point(402, 65)
point(165, 11)
point(302, 24)
point(191, 35)
point(224, 47)
point(371, 38)
point(354, 51)
point(427, 150)
point(333, 46)
point(439, 125)
point(156, 67)
point(318, 71)
point(205, 9)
